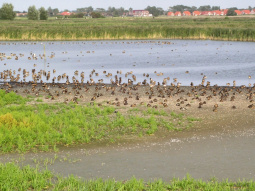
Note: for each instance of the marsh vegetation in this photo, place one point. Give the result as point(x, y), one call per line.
point(219, 28)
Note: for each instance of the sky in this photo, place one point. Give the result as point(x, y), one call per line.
point(22, 5)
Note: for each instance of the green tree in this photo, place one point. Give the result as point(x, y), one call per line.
point(215, 8)
point(205, 8)
point(50, 11)
point(43, 13)
point(32, 13)
point(155, 11)
point(55, 11)
point(180, 8)
point(80, 10)
point(96, 15)
point(77, 15)
point(231, 12)
point(100, 10)
point(89, 9)
point(6, 12)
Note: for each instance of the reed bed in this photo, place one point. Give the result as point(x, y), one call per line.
point(41, 126)
point(220, 28)
point(13, 177)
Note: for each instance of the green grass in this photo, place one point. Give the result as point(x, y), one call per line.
point(40, 126)
point(13, 177)
point(215, 28)
point(10, 98)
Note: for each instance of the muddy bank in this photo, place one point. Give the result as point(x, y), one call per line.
point(214, 105)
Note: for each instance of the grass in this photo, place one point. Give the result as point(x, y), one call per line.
point(44, 127)
point(10, 98)
point(13, 177)
point(215, 28)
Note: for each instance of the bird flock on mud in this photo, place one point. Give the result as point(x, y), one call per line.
point(118, 91)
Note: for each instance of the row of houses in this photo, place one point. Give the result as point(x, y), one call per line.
point(135, 13)
point(24, 14)
point(210, 13)
point(145, 13)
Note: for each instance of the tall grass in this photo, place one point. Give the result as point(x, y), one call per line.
point(13, 177)
point(241, 29)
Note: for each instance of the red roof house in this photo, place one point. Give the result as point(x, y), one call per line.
point(207, 13)
point(66, 13)
point(177, 13)
point(186, 13)
point(246, 12)
point(252, 12)
point(238, 12)
point(170, 14)
point(216, 12)
point(224, 12)
point(196, 13)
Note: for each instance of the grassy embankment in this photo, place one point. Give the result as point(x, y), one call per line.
point(12, 177)
point(41, 126)
point(214, 28)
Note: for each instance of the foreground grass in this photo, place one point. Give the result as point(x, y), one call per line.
point(214, 28)
point(13, 177)
point(40, 126)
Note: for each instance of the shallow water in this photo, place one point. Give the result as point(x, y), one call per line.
point(203, 153)
point(222, 62)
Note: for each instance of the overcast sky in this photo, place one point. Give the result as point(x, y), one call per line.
point(22, 5)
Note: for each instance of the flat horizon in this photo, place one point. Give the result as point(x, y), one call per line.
point(135, 4)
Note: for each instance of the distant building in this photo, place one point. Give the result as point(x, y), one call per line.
point(246, 12)
point(186, 13)
point(216, 13)
point(238, 12)
point(207, 13)
point(252, 12)
point(196, 13)
point(65, 13)
point(224, 12)
point(141, 13)
point(178, 13)
point(21, 14)
point(170, 14)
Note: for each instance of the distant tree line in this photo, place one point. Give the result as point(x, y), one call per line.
point(182, 8)
point(7, 11)
point(155, 11)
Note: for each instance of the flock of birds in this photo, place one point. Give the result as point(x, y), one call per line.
point(118, 93)
point(121, 89)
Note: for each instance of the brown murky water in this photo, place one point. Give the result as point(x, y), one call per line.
point(203, 153)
